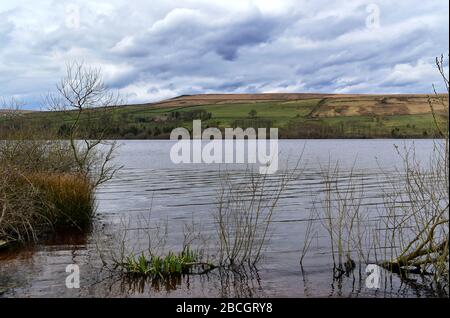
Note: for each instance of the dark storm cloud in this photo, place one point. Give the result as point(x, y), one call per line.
point(157, 50)
point(250, 32)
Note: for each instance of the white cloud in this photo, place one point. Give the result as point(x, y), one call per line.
point(402, 74)
point(160, 49)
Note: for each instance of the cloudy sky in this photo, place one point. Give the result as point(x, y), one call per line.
point(152, 50)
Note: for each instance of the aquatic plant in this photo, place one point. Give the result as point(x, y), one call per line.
point(172, 264)
point(411, 236)
point(244, 214)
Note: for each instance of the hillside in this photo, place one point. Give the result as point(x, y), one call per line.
point(296, 116)
point(331, 105)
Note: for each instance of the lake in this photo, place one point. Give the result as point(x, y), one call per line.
point(151, 190)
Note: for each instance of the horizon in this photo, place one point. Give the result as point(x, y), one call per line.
point(155, 103)
point(173, 48)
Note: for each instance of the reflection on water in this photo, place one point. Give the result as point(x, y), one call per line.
point(181, 193)
point(225, 283)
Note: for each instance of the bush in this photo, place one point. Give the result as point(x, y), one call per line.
point(37, 155)
point(41, 188)
point(20, 215)
point(47, 182)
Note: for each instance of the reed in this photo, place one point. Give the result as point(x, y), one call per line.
point(244, 213)
point(32, 204)
point(68, 198)
point(21, 218)
point(411, 234)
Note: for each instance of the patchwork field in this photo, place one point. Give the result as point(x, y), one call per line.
point(296, 116)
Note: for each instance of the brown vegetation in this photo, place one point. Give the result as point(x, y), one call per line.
point(373, 105)
point(45, 182)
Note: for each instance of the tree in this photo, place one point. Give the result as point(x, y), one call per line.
point(252, 113)
point(11, 112)
point(428, 246)
point(82, 91)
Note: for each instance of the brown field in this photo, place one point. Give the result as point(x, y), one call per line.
point(211, 99)
point(331, 105)
point(374, 105)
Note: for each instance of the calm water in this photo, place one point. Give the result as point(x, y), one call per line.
point(185, 194)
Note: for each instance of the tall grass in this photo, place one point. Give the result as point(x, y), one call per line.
point(41, 189)
point(21, 216)
point(68, 198)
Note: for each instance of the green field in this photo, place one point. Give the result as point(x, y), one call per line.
point(295, 119)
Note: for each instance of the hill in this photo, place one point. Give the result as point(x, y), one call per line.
point(296, 116)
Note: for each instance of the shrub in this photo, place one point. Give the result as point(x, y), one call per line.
point(31, 204)
point(20, 215)
point(37, 155)
point(47, 182)
point(41, 188)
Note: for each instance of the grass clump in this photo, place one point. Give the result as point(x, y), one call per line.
point(173, 264)
point(21, 217)
point(41, 189)
point(31, 204)
point(68, 198)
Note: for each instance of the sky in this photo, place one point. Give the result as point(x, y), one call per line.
point(153, 50)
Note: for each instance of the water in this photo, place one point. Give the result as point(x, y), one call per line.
point(149, 184)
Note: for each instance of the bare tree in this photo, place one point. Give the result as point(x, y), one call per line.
point(11, 112)
point(411, 234)
point(441, 100)
point(426, 246)
point(81, 93)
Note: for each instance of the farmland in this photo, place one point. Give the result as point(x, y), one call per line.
point(296, 116)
